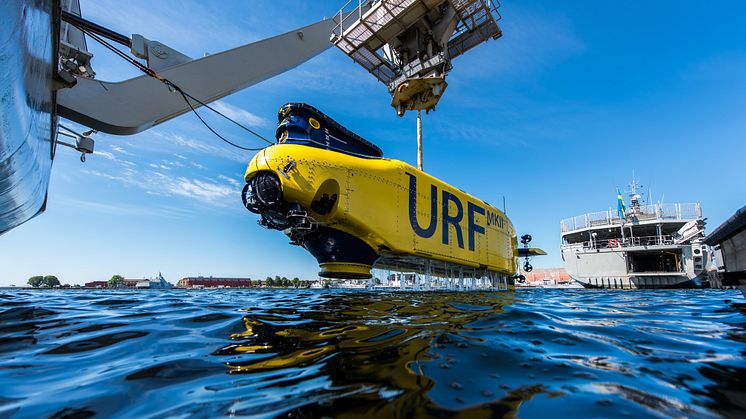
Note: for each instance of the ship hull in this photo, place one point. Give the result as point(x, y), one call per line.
point(611, 268)
point(638, 282)
point(358, 212)
point(28, 39)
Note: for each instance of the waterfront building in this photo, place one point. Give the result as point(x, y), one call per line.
point(546, 277)
point(214, 282)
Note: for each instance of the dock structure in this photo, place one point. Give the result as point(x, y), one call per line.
point(447, 278)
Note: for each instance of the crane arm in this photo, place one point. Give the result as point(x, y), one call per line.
point(134, 105)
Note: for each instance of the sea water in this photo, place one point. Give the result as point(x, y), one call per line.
point(310, 353)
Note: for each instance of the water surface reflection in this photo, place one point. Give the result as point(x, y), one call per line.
point(314, 353)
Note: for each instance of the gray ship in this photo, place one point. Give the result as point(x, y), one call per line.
point(645, 246)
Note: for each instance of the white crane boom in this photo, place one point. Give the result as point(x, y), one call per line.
point(137, 104)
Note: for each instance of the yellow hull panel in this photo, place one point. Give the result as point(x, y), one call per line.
point(399, 211)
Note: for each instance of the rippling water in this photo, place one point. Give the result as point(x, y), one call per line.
point(303, 353)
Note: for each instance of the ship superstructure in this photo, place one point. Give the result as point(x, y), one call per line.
point(646, 246)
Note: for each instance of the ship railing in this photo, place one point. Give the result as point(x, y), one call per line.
point(664, 240)
point(678, 211)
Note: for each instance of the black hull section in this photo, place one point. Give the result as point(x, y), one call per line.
point(690, 284)
point(300, 123)
point(333, 247)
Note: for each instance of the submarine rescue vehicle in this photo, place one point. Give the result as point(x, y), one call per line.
point(333, 193)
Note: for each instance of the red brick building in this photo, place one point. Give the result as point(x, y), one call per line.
point(97, 284)
point(547, 275)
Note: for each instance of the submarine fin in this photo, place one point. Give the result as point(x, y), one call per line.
point(530, 251)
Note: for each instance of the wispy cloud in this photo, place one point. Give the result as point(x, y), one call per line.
point(240, 115)
point(124, 209)
point(120, 150)
point(182, 27)
point(218, 193)
point(201, 147)
point(202, 190)
point(230, 180)
point(104, 154)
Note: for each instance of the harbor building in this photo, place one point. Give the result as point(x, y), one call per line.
point(214, 282)
point(546, 277)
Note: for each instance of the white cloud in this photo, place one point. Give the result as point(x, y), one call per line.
point(221, 193)
point(195, 146)
point(179, 140)
point(180, 25)
point(173, 163)
point(120, 150)
point(104, 154)
point(230, 180)
point(201, 190)
point(125, 209)
point(240, 115)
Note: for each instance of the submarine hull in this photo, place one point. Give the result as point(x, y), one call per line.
point(353, 213)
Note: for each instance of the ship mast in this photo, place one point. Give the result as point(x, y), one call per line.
point(635, 198)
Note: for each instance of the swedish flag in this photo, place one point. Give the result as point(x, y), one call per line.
point(620, 205)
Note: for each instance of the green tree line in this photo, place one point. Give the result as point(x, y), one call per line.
point(282, 282)
point(43, 281)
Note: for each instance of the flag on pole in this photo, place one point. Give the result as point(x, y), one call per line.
point(620, 205)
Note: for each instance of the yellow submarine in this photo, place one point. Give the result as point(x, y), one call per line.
point(333, 193)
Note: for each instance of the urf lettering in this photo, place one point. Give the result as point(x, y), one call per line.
point(448, 218)
point(430, 230)
point(455, 220)
point(474, 227)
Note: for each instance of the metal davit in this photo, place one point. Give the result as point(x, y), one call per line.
point(408, 45)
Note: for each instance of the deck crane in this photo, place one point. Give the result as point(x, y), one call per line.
point(409, 45)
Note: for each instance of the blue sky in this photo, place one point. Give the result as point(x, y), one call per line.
point(554, 116)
